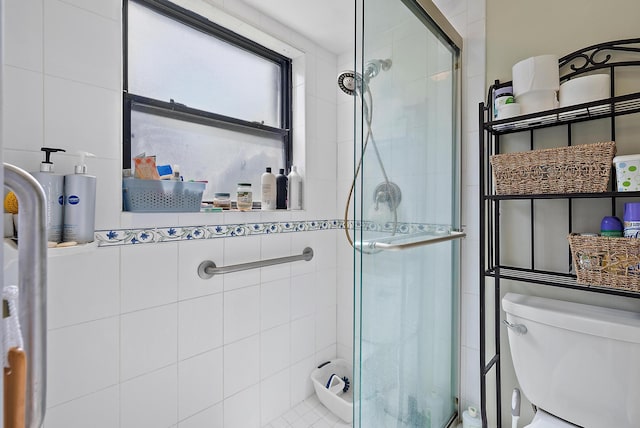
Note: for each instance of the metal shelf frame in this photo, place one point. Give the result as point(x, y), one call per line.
point(604, 57)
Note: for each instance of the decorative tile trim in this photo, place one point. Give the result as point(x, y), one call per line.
point(106, 238)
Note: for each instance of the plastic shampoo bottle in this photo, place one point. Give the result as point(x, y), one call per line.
point(295, 189)
point(268, 193)
point(53, 186)
point(281, 192)
point(79, 204)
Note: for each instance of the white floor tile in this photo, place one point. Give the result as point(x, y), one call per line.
point(310, 413)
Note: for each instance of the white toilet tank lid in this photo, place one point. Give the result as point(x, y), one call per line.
point(589, 319)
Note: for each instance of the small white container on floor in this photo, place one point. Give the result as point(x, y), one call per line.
point(341, 404)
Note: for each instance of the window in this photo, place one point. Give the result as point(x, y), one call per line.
point(202, 97)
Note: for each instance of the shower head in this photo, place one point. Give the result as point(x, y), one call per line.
point(351, 81)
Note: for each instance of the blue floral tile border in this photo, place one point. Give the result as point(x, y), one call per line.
point(185, 233)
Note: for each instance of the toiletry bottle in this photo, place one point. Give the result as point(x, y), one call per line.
point(53, 186)
point(281, 192)
point(295, 189)
point(244, 197)
point(611, 226)
point(79, 204)
point(268, 195)
point(631, 220)
point(176, 173)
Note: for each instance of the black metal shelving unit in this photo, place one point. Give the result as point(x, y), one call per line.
point(610, 57)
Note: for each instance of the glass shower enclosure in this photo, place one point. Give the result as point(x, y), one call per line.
point(405, 215)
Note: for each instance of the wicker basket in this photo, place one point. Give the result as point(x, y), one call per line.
point(606, 262)
point(574, 169)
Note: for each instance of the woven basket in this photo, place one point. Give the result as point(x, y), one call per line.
point(606, 262)
point(575, 169)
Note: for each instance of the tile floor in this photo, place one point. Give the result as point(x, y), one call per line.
point(308, 414)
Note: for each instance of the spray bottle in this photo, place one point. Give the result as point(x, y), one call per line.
point(53, 186)
point(79, 204)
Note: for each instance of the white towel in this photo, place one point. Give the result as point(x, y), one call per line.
point(11, 334)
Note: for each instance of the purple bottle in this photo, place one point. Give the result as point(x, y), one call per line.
point(611, 226)
point(632, 220)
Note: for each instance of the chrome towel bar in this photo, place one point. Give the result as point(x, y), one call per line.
point(425, 239)
point(207, 268)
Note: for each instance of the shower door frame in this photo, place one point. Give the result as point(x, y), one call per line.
point(425, 10)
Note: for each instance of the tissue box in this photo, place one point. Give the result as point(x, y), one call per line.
point(161, 195)
point(627, 173)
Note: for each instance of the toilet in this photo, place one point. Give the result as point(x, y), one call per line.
point(579, 364)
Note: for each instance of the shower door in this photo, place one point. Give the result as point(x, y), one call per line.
point(406, 217)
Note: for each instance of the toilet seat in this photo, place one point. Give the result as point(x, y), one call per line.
point(543, 419)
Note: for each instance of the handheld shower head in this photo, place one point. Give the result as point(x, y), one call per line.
point(350, 81)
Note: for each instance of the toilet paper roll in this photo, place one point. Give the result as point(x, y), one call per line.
point(585, 89)
point(538, 73)
point(535, 101)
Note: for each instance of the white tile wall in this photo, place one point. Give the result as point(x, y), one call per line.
point(200, 324)
point(82, 46)
point(144, 285)
point(95, 111)
point(302, 296)
point(242, 365)
point(241, 313)
point(274, 352)
point(23, 124)
point(274, 397)
point(101, 408)
point(74, 300)
point(243, 409)
point(148, 340)
point(133, 324)
point(302, 338)
point(208, 417)
point(82, 359)
point(150, 400)
point(200, 381)
point(275, 303)
point(301, 385)
point(24, 42)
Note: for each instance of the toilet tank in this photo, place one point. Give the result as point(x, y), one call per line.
point(578, 362)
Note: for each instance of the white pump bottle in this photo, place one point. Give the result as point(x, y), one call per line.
point(79, 204)
point(53, 186)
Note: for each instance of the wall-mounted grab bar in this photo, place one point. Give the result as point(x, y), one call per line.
point(426, 239)
point(207, 268)
point(32, 267)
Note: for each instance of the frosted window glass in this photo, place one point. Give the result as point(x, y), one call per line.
point(169, 60)
point(222, 157)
